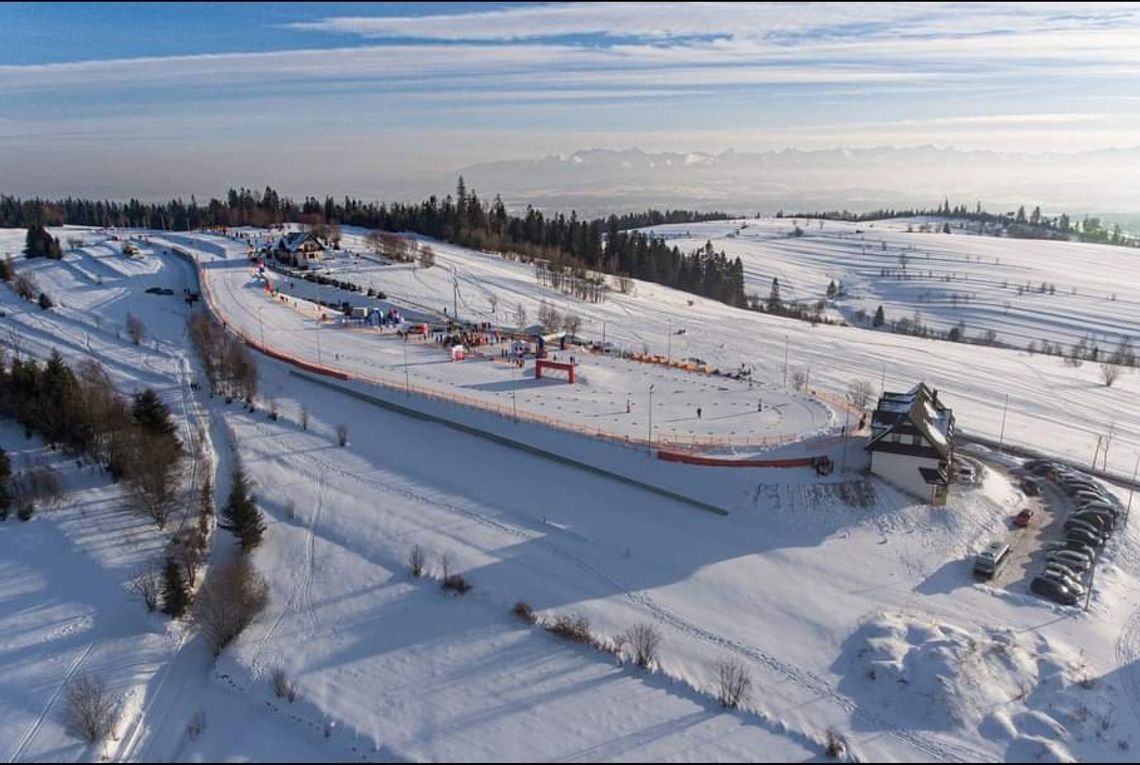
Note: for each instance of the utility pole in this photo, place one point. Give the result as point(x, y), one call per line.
point(603, 331)
point(261, 324)
point(1096, 452)
point(785, 361)
point(514, 407)
point(651, 420)
point(407, 382)
point(455, 297)
point(883, 382)
point(1001, 438)
point(846, 423)
point(669, 352)
point(1128, 509)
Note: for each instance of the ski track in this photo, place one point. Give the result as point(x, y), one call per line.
point(35, 727)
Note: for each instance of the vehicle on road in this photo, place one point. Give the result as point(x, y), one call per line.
point(159, 291)
point(1022, 519)
point(991, 559)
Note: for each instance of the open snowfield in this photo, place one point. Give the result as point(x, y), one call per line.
point(949, 278)
point(1061, 409)
point(861, 620)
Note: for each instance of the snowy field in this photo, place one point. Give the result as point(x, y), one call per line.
point(861, 620)
point(985, 282)
point(1058, 408)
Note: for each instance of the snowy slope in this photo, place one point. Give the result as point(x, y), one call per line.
point(804, 585)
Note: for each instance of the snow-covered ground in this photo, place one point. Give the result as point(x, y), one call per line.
point(862, 619)
point(984, 282)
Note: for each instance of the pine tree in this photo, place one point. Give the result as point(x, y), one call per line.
point(241, 514)
point(175, 595)
point(831, 290)
point(879, 318)
point(774, 303)
point(153, 415)
point(5, 476)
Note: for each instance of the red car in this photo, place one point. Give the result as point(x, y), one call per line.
point(1023, 518)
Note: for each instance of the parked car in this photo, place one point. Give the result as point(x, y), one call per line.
point(1031, 486)
point(1069, 559)
point(967, 473)
point(1038, 467)
point(1054, 591)
point(1065, 577)
point(1098, 506)
point(1079, 523)
point(1105, 521)
point(1084, 537)
point(1087, 495)
point(1022, 519)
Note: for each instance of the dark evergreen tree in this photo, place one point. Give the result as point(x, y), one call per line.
point(152, 414)
point(240, 515)
point(775, 305)
point(879, 318)
point(175, 594)
point(5, 491)
point(831, 290)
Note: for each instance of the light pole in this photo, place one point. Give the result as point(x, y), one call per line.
point(846, 423)
point(669, 330)
point(651, 420)
point(883, 382)
point(1128, 509)
point(514, 407)
point(261, 324)
point(407, 383)
point(1001, 438)
point(785, 361)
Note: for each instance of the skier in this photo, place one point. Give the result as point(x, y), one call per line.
point(698, 413)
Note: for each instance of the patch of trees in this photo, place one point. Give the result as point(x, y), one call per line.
point(229, 364)
point(82, 413)
point(40, 244)
point(1017, 224)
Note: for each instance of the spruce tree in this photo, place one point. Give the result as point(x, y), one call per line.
point(5, 476)
point(175, 595)
point(152, 414)
point(241, 515)
point(775, 305)
point(879, 318)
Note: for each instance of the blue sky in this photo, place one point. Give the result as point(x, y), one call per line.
point(164, 99)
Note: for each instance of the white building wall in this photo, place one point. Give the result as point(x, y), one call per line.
point(902, 471)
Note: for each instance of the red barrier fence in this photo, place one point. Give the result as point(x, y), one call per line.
point(693, 459)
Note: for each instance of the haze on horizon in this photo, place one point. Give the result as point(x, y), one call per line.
point(392, 101)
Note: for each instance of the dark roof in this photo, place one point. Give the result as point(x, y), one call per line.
point(294, 239)
point(917, 410)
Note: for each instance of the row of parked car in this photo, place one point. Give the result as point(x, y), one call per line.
point(1094, 517)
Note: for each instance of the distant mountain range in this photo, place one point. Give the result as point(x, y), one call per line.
point(597, 181)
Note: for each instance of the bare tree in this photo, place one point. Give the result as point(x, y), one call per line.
point(520, 316)
point(493, 300)
point(571, 322)
point(733, 682)
point(416, 561)
point(625, 284)
point(135, 328)
point(153, 468)
point(644, 639)
point(799, 379)
point(25, 287)
point(859, 393)
point(445, 564)
point(230, 599)
point(548, 317)
point(147, 585)
point(427, 256)
point(283, 687)
point(89, 709)
point(1109, 372)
